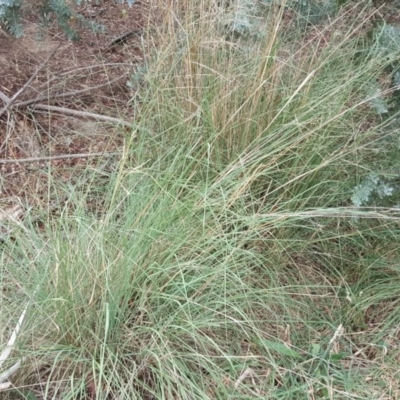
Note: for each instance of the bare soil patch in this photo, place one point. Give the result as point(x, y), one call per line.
point(88, 75)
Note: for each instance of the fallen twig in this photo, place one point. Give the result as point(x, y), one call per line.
point(4, 97)
point(122, 39)
point(65, 94)
point(243, 376)
point(26, 85)
point(75, 70)
point(86, 114)
point(6, 352)
point(52, 158)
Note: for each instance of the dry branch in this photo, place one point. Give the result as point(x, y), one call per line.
point(36, 105)
point(26, 85)
point(4, 97)
point(123, 38)
point(52, 158)
point(26, 103)
point(86, 114)
point(75, 70)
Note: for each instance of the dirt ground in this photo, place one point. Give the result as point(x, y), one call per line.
point(39, 144)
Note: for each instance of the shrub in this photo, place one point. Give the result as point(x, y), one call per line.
point(12, 11)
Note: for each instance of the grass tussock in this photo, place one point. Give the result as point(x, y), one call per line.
point(227, 260)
